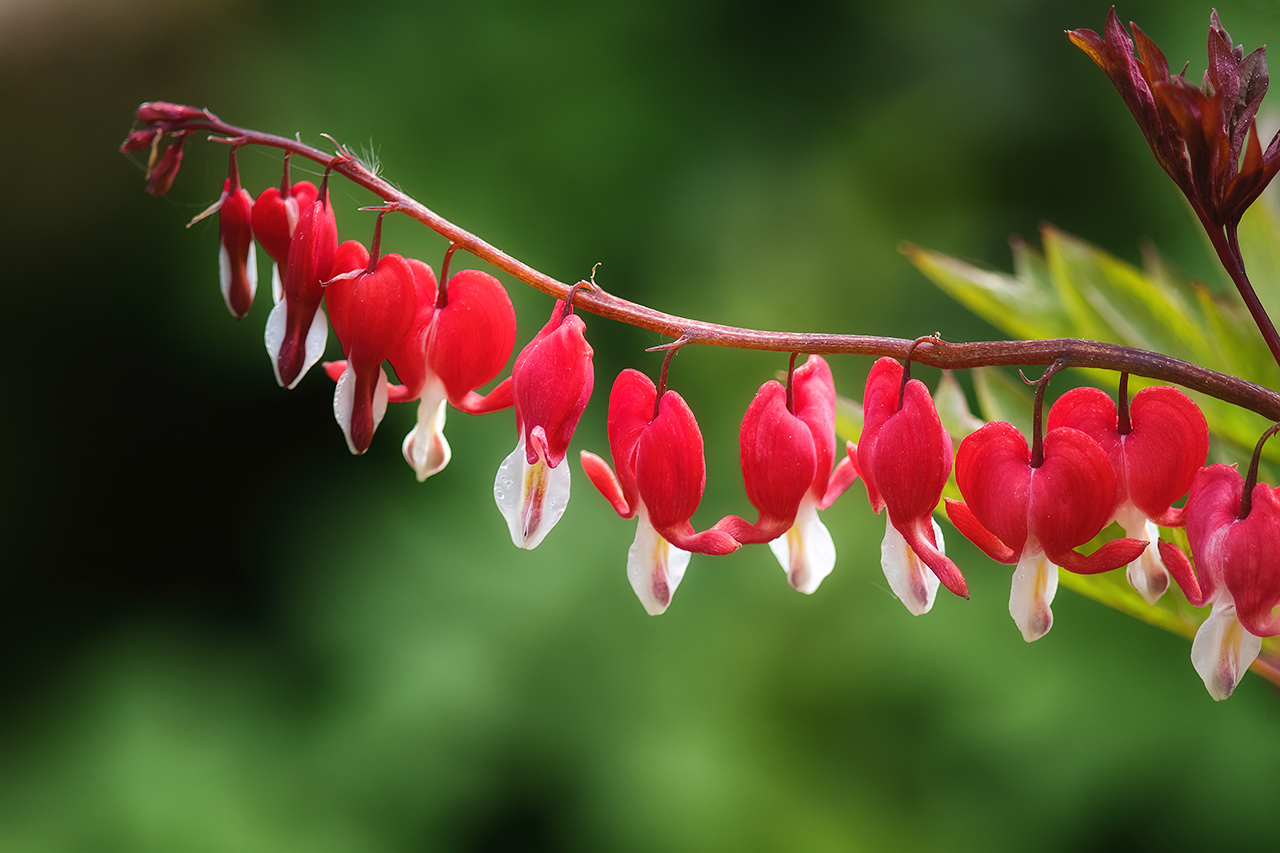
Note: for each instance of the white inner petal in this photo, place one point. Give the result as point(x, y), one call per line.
point(425, 447)
point(912, 581)
point(655, 567)
point(277, 286)
point(317, 337)
point(806, 552)
point(224, 275)
point(251, 270)
point(344, 395)
point(274, 337)
point(532, 498)
point(1223, 649)
point(1035, 581)
point(1147, 574)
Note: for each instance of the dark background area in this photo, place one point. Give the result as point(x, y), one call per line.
point(219, 631)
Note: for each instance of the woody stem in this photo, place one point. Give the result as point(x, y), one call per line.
point(1071, 352)
point(1228, 248)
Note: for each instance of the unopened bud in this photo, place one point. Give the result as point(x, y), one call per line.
point(160, 176)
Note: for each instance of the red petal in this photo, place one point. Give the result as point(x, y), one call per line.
point(1251, 563)
point(993, 471)
point(1211, 512)
point(879, 403)
point(919, 536)
point(275, 218)
point(1175, 560)
point(371, 312)
point(1166, 447)
point(669, 467)
point(552, 381)
point(778, 461)
point(1065, 510)
point(1113, 555)
point(409, 357)
point(602, 477)
point(813, 400)
point(235, 232)
point(472, 337)
point(970, 528)
point(908, 454)
point(631, 404)
point(1093, 412)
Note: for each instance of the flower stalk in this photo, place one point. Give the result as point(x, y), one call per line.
point(934, 352)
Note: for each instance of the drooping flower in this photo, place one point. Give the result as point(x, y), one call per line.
point(275, 218)
point(448, 352)
point(787, 444)
point(1237, 552)
point(468, 340)
point(1196, 133)
point(371, 302)
point(904, 457)
point(661, 474)
point(1035, 516)
point(296, 327)
point(1154, 455)
point(550, 383)
point(237, 261)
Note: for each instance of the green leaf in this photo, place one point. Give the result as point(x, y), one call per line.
point(848, 419)
point(1021, 305)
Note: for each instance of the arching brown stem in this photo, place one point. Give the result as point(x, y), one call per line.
point(1070, 352)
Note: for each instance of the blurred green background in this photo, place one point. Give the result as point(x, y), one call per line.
point(221, 632)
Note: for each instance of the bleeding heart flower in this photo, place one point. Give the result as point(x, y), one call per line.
point(237, 261)
point(371, 304)
point(904, 457)
point(275, 218)
point(550, 384)
point(787, 447)
point(661, 475)
point(1155, 454)
point(458, 341)
point(296, 328)
point(1036, 515)
point(1236, 545)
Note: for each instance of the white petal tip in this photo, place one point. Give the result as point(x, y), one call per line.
point(655, 567)
point(806, 552)
point(914, 583)
point(532, 498)
point(1035, 582)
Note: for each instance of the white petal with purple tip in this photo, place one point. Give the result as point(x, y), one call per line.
point(912, 581)
point(532, 498)
point(1035, 582)
point(1223, 649)
point(425, 447)
point(344, 402)
point(655, 567)
point(806, 552)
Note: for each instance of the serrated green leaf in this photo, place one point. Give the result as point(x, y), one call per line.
point(1121, 304)
point(1024, 307)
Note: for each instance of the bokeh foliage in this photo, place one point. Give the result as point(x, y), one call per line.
point(218, 631)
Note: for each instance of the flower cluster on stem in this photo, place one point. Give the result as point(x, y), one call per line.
point(1092, 462)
